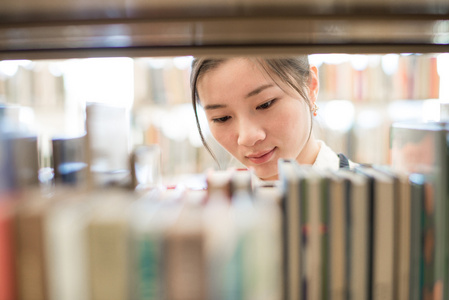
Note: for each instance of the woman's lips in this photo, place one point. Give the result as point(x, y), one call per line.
point(261, 157)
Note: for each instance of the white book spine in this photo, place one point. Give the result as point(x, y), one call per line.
point(66, 248)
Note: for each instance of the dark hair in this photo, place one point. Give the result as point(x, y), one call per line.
point(293, 72)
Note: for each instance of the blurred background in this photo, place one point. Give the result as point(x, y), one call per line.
point(360, 97)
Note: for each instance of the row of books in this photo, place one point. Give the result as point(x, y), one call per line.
point(366, 234)
point(162, 81)
point(53, 83)
point(166, 243)
point(381, 78)
point(28, 157)
point(362, 78)
point(372, 233)
point(165, 81)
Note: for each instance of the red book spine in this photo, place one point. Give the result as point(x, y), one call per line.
point(7, 268)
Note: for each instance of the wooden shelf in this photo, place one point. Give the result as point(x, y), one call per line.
point(226, 29)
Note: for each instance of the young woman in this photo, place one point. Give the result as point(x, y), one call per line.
point(261, 110)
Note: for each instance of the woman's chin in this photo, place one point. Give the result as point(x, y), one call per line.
point(266, 174)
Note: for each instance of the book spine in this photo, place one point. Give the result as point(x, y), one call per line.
point(149, 220)
point(440, 192)
point(292, 230)
point(184, 258)
point(325, 216)
point(31, 268)
point(147, 267)
point(266, 248)
point(313, 250)
point(7, 251)
point(66, 246)
point(383, 241)
point(416, 233)
point(108, 260)
point(428, 254)
point(337, 238)
point(404, 239)
point(304, 239)
point(360, 241)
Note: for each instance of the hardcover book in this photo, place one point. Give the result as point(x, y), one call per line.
point(424, 148)
point(383, 233)
point(7, 250)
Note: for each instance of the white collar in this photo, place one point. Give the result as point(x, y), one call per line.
point(326, 159)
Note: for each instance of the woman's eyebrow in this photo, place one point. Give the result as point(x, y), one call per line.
point(214, 106)
point(258, 90)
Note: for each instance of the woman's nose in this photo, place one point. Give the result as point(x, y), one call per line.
point(250, 132)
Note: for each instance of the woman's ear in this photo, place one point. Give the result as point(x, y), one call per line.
point(314, 84)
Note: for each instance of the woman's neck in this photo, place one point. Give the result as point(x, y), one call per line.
point(310, 152)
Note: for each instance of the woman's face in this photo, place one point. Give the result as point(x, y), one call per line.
point(253, 118)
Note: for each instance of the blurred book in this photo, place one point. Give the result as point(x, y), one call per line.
point(108, 247)
point(19, 165)
point(337, 254)
point(31, 257)
point(150, 218)
point(185, 274)
point(417, 182)
point(66, 244)
point(19, 162)
point(145, 167)
point(423, 148)
point(70, 161)
point(7, 249)
point(107, 132)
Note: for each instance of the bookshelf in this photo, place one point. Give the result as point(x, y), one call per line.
point(136, 28)
point(66, 29)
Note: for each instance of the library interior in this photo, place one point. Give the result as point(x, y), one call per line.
point(107, 190)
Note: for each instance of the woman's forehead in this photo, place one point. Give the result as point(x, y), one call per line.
point(235, 76)
point(238, 72)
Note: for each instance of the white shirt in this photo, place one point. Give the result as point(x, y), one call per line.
point(327, 159)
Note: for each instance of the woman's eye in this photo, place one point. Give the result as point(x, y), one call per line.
point(266, 104)
point(221, 120)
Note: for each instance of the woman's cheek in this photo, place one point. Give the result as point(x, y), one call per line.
point(285, 123)
point(222, 136)
point(215, 132)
